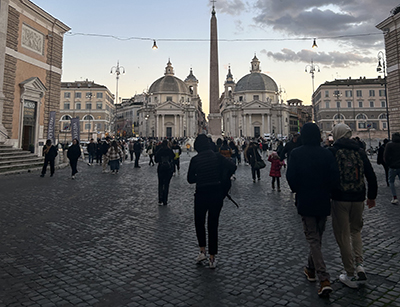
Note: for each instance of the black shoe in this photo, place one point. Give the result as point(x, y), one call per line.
point(42, 175)
point(51, 175)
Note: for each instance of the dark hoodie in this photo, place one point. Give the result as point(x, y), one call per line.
point(392, 152)
point(204, 167)
point(369, 173)
point(311, 173)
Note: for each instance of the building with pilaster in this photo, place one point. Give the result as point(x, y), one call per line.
point(31, 47)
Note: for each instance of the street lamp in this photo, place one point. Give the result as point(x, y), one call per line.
point(117, 70)
point(382, 69)
point(338, 94)
point(312, 69)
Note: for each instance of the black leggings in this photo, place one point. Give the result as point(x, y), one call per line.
point(254, 172)
point(277, 182)
point(46, 162)
point(73, 163)
point(207, 201)
point(163, 187)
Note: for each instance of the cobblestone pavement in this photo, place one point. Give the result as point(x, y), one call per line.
point(102, 240)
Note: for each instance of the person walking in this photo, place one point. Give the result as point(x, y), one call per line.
point(98, 151)
point(49, 153)
point(114, 156)
point(151, 151)
point(348, 202)
point(137, 148)
point(275, 171)
point(177, 152)
point(164, 157)
point(252, 156)
point(311, 173)
point(187, 147)
point(73, 154)
point(295, 142)
point(104, 150)
point(225, 150)
point(205, 171)
point(381, 161)
point(91, 148)
point(392, 159)
point(131, 151)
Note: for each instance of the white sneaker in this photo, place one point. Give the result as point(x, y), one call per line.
point(200, 257)
point(212, 264)
point(361, 276)
point(395, 201)
point(349, 282)
point(73, 177)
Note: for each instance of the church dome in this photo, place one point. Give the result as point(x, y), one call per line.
point(256, 82)
point(169, 83)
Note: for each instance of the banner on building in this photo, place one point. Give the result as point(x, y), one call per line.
point(51, 130)
point(75, 128)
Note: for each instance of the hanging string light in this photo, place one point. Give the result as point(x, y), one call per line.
point(315, 44)
point(154, 45)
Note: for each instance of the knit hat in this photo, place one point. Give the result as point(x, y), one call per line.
point(341, 131)
point(310, 134)
point(201, 143)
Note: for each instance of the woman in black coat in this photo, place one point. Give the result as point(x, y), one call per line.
point(49, 153)
point(74, 152)
point(165, 159)
point(252, 157)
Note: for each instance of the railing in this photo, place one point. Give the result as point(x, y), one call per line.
point(4, 134)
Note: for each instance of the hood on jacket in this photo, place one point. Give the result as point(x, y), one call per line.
point(341, 131)
point(201, 143)
point(396, 137)
point(347, 143)
point(310, 134)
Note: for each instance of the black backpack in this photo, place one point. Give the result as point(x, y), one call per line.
point(165, 164)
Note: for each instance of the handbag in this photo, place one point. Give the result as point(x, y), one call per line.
point(259, 164)
point(150, 151)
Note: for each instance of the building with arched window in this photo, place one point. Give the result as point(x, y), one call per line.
point(359, 103)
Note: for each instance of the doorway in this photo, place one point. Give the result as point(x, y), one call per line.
point(256, 132)
point(169, 132)
point(29, 125)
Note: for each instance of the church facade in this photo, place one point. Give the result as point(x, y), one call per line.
point(172, 107)
point(252, 107)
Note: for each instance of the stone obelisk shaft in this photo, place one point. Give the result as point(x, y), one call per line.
point(214, 118)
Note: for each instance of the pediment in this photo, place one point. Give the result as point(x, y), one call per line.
point(33, 83)
point(169, 105)
point(256, 104)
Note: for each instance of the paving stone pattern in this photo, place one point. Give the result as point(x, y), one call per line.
point(102, 240)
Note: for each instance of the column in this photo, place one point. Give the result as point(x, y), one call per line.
point(269, 123)
point(262, 124)
point(162, 125)
point(249, 127)
point(3, 34)
point(181, 125)
point(175, 127)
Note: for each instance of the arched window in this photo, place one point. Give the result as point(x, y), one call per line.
point(88, 117)
point(361, 116)
point(382, 116)
point(338, 116)
point(66, 117)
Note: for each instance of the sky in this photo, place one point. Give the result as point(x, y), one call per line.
point(279, 32)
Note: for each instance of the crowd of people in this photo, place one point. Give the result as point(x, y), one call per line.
point(334, 177)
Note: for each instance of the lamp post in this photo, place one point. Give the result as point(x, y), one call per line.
point(338, 94)
point(117, 70)
point(312, 69)
point(382, 69)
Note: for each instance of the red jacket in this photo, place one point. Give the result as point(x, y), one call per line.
point(276, 166)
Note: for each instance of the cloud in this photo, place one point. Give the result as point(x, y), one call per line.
point(332, 59)
point(324, 18)
point(230, 7)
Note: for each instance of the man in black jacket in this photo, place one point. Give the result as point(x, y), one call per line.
point(348, 202)
point(137, 148)
point(392, 159)
point(311, 173)
point(295, 142)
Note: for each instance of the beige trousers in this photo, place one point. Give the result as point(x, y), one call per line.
point(347, 222)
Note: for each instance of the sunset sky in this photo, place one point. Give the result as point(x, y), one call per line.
point(280, 32)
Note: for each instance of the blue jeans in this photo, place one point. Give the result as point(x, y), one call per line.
point(91, 157)
point(393, 172)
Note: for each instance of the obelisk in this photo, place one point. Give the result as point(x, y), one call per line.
point(214, 117)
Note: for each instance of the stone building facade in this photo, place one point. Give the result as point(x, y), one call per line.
point(31, 47)
point(359, 103)
point(391, 30)
point(92, 103)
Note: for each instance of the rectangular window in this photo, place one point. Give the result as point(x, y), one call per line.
point(360, 104)
point(374, 126)
point(337, 104)
point(326, 93)
point(348, 93)
point(240, 98)
point(381, 93)
point(99, 126)
point(67, 95)
point(66, 106)
point(256, 97)
point(371, 104)
point(99, 95)
point(327, 105)
point(359, 93)
point(383, 104)
point(89, 95)
point(384, 125)
point(361, 126)
point(169, 98)
point(88, 126)
point(149, 99)
point(78, 106)
point(78, 95)
point(99, 106)
point(88, 106)
point(349, 104)
point(372, 93)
